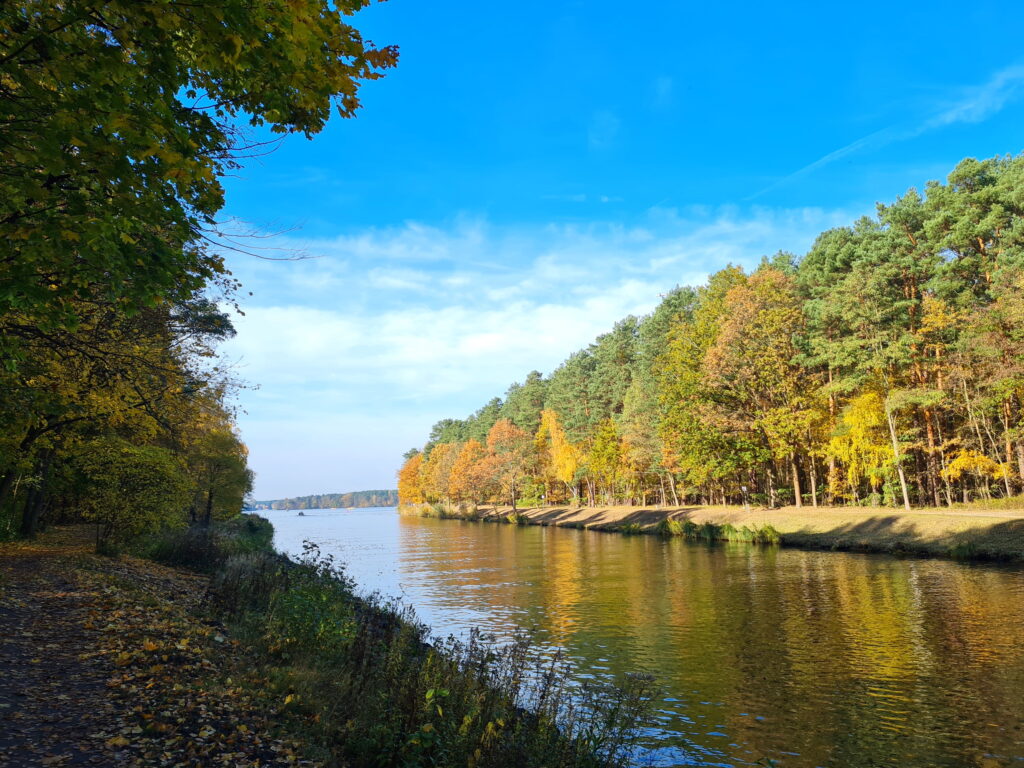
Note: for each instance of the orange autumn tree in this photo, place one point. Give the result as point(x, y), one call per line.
point(513, 456)
point(469, 479)
point(409, 489)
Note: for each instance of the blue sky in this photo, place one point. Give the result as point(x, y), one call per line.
point(526, 177)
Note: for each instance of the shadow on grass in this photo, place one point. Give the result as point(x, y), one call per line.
point(895, 534)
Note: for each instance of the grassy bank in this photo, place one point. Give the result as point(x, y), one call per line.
point(968, 532)
point(364, 684)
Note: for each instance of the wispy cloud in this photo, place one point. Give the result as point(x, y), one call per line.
point(358, 352)
point(971, 105)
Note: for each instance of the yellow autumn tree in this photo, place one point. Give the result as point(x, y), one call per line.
point(409, 489)
point(436, 471)
point(559, 458)
point(861, 445)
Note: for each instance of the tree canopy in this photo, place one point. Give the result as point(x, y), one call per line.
point(118, 120)
point(885, 366)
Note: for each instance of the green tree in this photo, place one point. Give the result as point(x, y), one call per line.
point(119, 119)
point(130, 489)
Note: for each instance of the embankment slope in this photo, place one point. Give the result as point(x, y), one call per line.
point(967, 533)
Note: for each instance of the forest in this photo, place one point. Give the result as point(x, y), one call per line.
point(118, 122)
point(333, 501)
point(884, 367)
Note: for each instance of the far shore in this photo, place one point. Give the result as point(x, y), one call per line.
point(970, 534)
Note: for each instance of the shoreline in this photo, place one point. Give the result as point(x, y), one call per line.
point(971, 534)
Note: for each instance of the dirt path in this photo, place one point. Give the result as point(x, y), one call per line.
point(52, 706)
point(109, 662)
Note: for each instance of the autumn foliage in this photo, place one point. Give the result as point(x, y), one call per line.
point(883, 367)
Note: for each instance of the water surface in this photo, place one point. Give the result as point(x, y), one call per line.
point(806, 658)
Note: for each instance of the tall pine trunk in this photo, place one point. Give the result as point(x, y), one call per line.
point(797, 494)
point(898, 457)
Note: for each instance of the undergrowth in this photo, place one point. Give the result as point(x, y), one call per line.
point(363, 681)
point(708, 531)
point(208, 548)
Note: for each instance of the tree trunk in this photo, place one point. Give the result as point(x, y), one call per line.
point(672, 485)
point(933, 472)
point(1020, 460)
point(6, 483)
point(1007, 416)
point(28, 517)
point(208, 515)
point(797, 494)
point(814, 484)
point(899, 458)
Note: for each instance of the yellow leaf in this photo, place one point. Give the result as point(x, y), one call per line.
point(118, 741)
point(149, 645)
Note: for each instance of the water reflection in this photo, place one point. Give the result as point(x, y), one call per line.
point(811, 659)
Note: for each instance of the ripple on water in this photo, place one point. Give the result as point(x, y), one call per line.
point(812, 659)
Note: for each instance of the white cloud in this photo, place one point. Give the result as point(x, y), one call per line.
point(358, 352)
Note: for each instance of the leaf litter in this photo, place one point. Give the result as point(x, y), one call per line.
point(113, 662)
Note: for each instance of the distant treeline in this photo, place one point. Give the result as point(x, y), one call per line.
point(333, 501)
point(884, 366)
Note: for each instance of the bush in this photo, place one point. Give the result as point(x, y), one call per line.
point(670, 527)
point(204, 548)
point(364, 680)
point(129, 490)
point(708, 532)
point(766, 534)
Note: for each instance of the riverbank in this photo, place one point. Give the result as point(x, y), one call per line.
point(115, 662)
point(981, 534)
point(261, 660)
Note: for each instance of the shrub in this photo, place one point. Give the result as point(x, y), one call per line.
point(206, 548)
point(964, 550)
point(371, 687)
point(766, 534)
point(708, 531)
point(670, 527)
point(129, 490)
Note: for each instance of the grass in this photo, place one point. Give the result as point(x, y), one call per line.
point(709, 531)
point(1001, 503)
point(364, 682)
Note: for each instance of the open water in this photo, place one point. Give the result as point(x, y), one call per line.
point(804, 658)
